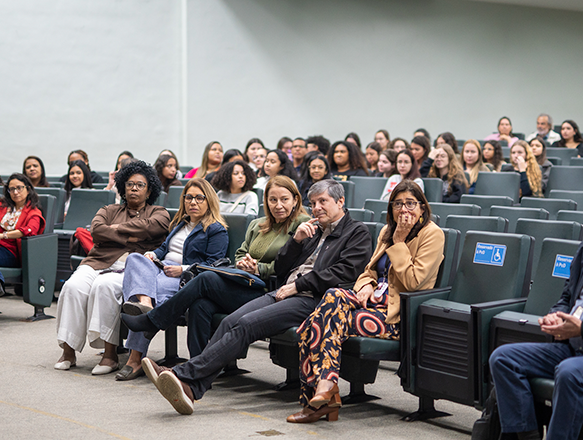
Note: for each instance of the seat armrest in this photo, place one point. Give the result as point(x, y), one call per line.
point(410, 302)
point(514, 304)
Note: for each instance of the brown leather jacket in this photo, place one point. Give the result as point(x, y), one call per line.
point(149, 226)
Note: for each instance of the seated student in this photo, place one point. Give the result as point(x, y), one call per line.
point(320, 256)
point(399, 144)
point(298, 151)
point(373, 150)
point(285, 145)
point(523, 161)
point(382, 138)
point(315, 168)
point(34, 168)
point(386, 163)
point(472, 162)
point(539, 150)
point(570, 137)
point(420, 148)
point(90, 300)
point(197, 235)
point(407, 258)
point(259, 159)
point(252, 147)
point(171, 153)
point(78, 176)
point(504, 132)
point(122, 159)
point(346, 160)
point(20, 216)
point(212, 158)
point(318, 143)
point(354, 139)
point(166, 168)
point(234, 182)
point(449, 139)
point(209, 293)
point(276, 164)
point(231, 155)
point(81, 155)
point(493, 155)
point(447, 168)
point(408, 170)
point(512, 365)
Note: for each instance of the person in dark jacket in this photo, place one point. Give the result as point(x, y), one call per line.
point(512, 365)
point(330, 250)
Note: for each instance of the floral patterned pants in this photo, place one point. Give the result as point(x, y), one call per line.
point(337, 317)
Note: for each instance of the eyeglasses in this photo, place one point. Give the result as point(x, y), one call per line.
point(188, 198)
point(409, 204)
point(16, 189)
point(130, 185)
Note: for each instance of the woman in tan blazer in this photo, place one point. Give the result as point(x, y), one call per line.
point(406, 259)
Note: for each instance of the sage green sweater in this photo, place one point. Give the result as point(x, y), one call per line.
point(264, 247)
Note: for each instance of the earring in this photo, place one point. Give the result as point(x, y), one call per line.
point(420, 219)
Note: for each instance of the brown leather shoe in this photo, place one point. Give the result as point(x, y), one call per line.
point(326, 397)
point(331, 414)
point(153, 370)
point(176, 392)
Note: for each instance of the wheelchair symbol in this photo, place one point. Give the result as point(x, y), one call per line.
point(497, 256)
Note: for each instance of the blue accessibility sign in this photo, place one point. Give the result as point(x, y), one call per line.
point(491, 254)
point(562, 267)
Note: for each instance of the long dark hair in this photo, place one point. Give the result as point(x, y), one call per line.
point(413, 188)
point(159, 167)
point(287, 166)
point(423, 142)
point(498, 154)
point(577, 137)
point(87, 183)
point(449, 139)
point(543, 157)
point(352, 135)
point(356, 159)
point(31, 198)
point(130, 155)
point(414, 171)
point(43, 182)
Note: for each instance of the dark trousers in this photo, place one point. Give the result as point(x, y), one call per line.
point(260, 318)
point(7, 259)
point(204, 296)
point(513, 364)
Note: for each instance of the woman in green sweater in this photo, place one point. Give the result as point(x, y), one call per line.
point(209, 293)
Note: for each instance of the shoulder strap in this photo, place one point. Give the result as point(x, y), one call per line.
point(238, 201)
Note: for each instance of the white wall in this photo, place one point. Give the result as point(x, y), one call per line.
point(299, 67)
point(104, 75)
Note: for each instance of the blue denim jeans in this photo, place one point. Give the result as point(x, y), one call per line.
point(513, 364)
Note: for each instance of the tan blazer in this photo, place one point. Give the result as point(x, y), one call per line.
point(414, 266)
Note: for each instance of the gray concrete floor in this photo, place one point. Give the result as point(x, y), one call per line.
point(37, 401)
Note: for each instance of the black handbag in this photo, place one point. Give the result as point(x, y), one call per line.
point(191, 272)
point(237, 275)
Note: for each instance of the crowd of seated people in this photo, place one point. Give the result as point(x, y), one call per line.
point(331, 282)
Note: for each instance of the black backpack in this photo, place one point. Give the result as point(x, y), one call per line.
point(488, 426)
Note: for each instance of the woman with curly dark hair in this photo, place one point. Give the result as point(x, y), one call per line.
point(90, 301)
point(166, 168)
point(34, 168)
point(346, 160)
point(234, 182)
point(276, 164)
point(20, 216)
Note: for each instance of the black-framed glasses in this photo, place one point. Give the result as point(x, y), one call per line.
point(199, 198)
point(130, 184)
point(16, 189)
point(409, 204)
